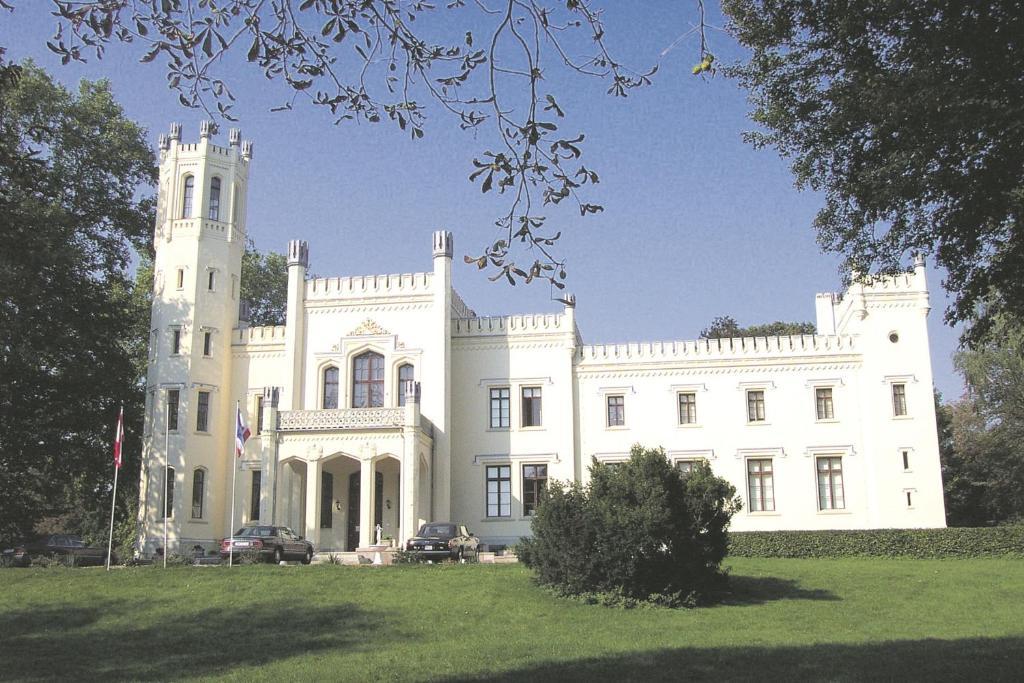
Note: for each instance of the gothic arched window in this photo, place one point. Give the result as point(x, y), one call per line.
point(198, 489)
point(331, 388)
point(215, 199)
point(186, 197)
point(368, 380)
point(405, 373)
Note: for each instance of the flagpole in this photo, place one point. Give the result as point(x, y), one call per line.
point(234, 470)
point(167, 463)
point(118, 439)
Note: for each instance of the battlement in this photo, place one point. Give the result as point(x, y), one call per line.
point(459, 307)
point(359, 286)
point(510, 325)
point(731, 348)
point(196, 227)
point(237, 146)
point(256, 336)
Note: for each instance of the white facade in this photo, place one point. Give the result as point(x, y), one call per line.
point(828, 431)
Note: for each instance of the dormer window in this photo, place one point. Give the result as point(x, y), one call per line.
point(215, 199)
point(186, 198)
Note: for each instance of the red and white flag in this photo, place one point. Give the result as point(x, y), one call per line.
point(119, 439)
point(242, 433)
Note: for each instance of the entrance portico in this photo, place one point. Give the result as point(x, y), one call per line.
point(341, 472)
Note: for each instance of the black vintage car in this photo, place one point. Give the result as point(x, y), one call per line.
point(443, 540)
point(272, 543)
point(66, 548)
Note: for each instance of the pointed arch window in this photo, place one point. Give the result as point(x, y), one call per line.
point(330, 388)
point(368, 380)
point(186, 197)
point(198, 491)
point(405, 373)
point(215, 199)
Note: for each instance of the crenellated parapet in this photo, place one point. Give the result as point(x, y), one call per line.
point(732, 348)
point(260, 335)
point(509, 325)
point(459, 307)
point(363, 286)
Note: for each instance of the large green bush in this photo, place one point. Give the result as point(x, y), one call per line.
point(912, 543)
point(640, 529)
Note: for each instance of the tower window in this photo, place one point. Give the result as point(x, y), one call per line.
point(755, 406)
point(899, 400)
point(215, 199)
point(259, 415)
point(207, 345)
point(181, 278)
point(186, 197)
point(175, 341)
point(368, 381)
point(198, 484)
point(405, 373)
point(173, 397)
point(168, 506)
point(331, 388)
point(203, 412)
point(255, 494)
point(211, 279)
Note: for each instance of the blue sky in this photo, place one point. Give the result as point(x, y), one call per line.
point(696, 223)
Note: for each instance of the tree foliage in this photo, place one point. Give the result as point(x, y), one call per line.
point(74, 175)
point(641, 530)
point(983, 457)
point(906, 116)
point(392, 61)
point(264, 285)
point(724, 327)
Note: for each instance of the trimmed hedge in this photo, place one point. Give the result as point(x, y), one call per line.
point(914, 543)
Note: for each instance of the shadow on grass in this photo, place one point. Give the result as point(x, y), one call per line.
point(75, 643)
point(980, 659)
point(757, 590)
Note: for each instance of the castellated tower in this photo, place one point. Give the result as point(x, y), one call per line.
point(199, 240)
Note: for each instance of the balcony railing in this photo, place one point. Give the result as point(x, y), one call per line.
point(341, 418)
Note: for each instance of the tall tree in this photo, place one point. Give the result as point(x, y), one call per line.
point(724, 327)
point(264, 285)
point(75, 179)
point(906, 116)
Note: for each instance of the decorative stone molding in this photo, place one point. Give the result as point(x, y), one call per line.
point(368, 327)
point(341, 418)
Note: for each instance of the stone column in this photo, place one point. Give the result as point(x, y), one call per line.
point(367, 493)
point(313, 469)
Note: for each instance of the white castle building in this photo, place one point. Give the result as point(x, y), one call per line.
point(385, 399)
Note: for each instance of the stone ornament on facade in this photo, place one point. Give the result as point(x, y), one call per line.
point(368, 328)
point(340, 418)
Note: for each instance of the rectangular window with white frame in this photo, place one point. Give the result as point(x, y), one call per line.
point(173, 399)
point(207, 344)
point(899, 400)
point(175, 341)
point(500, 399)
point(686, 466)
point(531, 407)
point(535, 482)
point(755, 405)
point(499, 490)
point(203, 411)
point(616, 411)
point(830, 483)
point(687, 408)
point(760, 485)
point(824, 408)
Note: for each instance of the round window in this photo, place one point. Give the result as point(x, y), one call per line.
point(894, 337)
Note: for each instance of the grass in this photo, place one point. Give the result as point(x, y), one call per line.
point(850, 619)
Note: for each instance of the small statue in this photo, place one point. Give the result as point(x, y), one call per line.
point(379, 532)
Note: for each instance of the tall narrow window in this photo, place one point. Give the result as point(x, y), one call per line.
point(760, 486)
point(616, 411)
point(173, 397)
point(906, 461)
point(899, 400)
point(168, 493)
point(326, 500)
point(330, 388)
point(198, 489)
point(499, 491)
point(755, 406)
point(830, 484)
point(215, 199)
point(175, 342)
point(203, 411)
point(500, 400)
point(181, 278)
point(531, 407)
point(259, 414)
point(211, 280)
point(823, 403)
point(207, 343)
point(405, 373)
point(254, 495)
point(234, 202)
point(186, 197)
point(535, 481)
point(687, 409)
point(368, 380)
point(910, 502)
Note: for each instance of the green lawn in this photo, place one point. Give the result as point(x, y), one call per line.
point(813, 619)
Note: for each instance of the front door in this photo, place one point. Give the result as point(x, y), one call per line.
point(352, 539)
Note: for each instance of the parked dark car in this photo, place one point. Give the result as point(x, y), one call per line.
point(443, 540)
point(66, 548)
point(272, 543)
